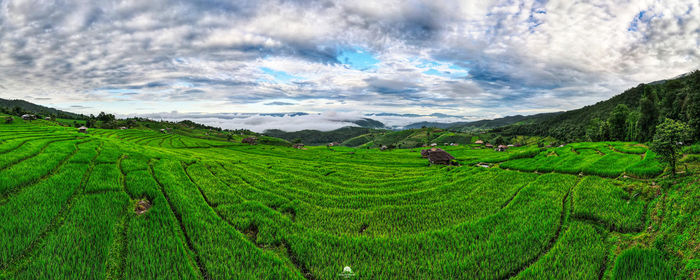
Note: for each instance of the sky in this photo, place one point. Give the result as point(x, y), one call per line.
point(232, 63)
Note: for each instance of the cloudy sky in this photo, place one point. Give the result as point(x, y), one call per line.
point(338, 60)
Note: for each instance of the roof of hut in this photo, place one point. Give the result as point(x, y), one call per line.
point(439, 156)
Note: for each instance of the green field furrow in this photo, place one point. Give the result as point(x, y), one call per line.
point(188, 204)
point(223, 251)
point(73, 251)
point(42, 164)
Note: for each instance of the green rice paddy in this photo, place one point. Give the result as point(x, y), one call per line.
point(225, 210)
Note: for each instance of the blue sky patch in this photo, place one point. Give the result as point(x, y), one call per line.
point(280, 76)
point(357, 58)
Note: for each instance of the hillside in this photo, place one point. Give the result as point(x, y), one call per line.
point(482, 125)
point(409, 138)
point(10, 106)
point(315, 137)
point(640, 109)
point(140, 204)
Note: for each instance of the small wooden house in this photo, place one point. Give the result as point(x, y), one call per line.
point(424, 153)
point(82, 129)
point(28, 117)
point(384, 147)
point(438, 156)
point(249, 140)
point(501, 148)
point(488, 145)
point(298, 146)
point(480, 142)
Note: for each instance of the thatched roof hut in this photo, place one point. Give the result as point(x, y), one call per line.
point(488, 145)
point(298, 146)
point(501, 148)
point(479, 142)
point(438, 156)
point(83, 129)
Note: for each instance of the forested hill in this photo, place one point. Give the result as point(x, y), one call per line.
point(315, 137)
point(481, 125)
point(629, 116)
point(18, 106)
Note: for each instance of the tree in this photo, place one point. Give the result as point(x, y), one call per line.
point(618, 122)
point(649, 116)
point(17, 111)
point(668, 141)
point(105, 117)
point(693, 113)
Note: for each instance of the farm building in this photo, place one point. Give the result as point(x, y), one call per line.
point(162, 130)
point(298, 146)
point(424, 153)
point(333, 144)
point(433, 144)
point(437, 156)
point(479, 142)
point(501, 148)
point(48, 118)
point(249, 140)
point(488, 145)
point(28, 117)
point(384, 147)
point(123, 128)
point(83, 129)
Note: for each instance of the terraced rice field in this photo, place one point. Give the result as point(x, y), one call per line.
point(69, 205)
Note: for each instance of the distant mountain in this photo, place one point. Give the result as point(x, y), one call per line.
point(482, 125)
point(315, 137)
point(369, 123)
point(9, 104)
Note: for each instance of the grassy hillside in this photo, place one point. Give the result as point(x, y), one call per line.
point(9, 106)
point(140, 204)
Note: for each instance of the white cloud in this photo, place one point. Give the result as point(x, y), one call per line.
point(519, 56)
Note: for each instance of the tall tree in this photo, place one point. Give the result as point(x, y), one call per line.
point(668, 141)
point(649, 115)
point(618, 122)
point(693, 113)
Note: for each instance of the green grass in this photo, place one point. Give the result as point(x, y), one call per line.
point(638, 263)
point(601, 201)
point(226, 210)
